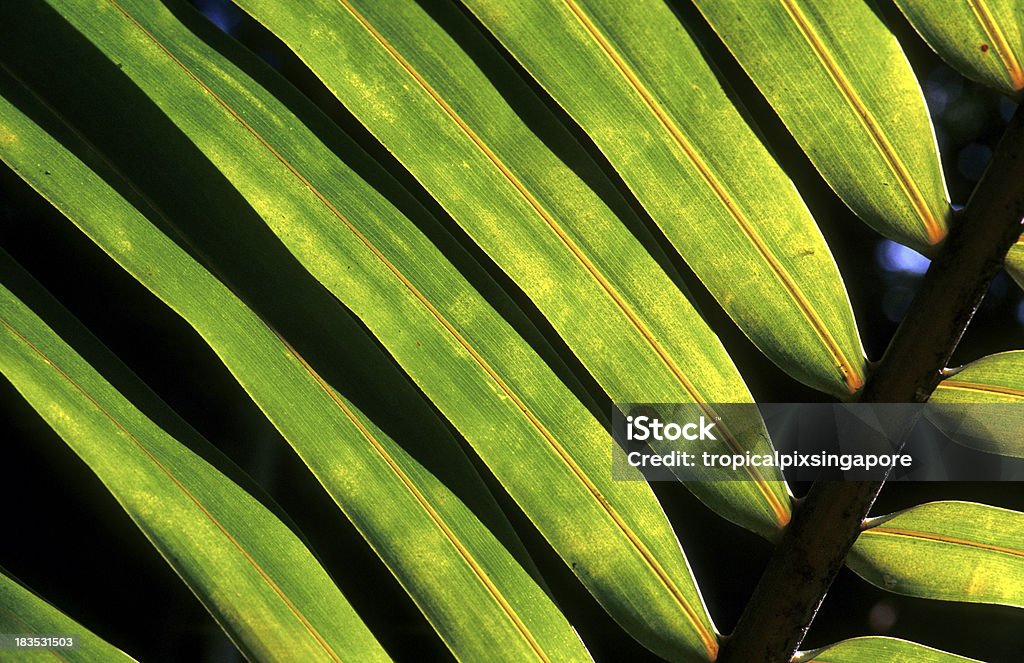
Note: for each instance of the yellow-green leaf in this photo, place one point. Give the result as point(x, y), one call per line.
point(407, 74)
point(542, 444)
point(953, 551)
point(998, 378)
point(22, 613)
point(982, 39)
point(840, 82)
point(631, 76)
point(875, 649)
point(995, 383)
point(1015, 261)
point(251, 572)
point(468, 578)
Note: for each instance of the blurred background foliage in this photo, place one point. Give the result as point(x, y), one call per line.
point(57, 535)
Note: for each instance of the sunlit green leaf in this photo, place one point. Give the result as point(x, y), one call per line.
point(698, 168)
point(539, 440)
point(840, 82)
point(22, 613)
point(877, 649)
point(983, 39)
point(954, 551)
point(996, 379)
point(519, 184)
point(468, 576)
point(250, 571)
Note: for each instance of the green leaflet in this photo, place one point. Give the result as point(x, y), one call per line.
point(403, 73)
point(996, 379)
point(250, 571)
point(874, 649)
point(1015, 262)
point(697, 167)
point(983, 39)
point(65, 325)
point(22, 613)
point(840, 82)
point(467, 579)
point(953, 551)
point(539, 440)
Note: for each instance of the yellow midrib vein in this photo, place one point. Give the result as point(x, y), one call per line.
point(707, 638)
point(846, 369)
point(1002, 47)
point(188, 493)
point(780, 511)
point(879, 139)
point(882, 530)
point(982, 387)
point(410, 486)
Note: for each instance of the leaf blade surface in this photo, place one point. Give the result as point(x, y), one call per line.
point(982, 39)
point(1015, 262)
point(305, 208)
point(416, 88)
point(467, 575)
point(22, 612)
point(952, 551)
point(253, 575)
point(981, 400)
point(875, 648)
point(717, 194)
point(840, 82)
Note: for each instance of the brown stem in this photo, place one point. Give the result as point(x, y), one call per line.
point(826, 522)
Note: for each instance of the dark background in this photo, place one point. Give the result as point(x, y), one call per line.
point(66, 538)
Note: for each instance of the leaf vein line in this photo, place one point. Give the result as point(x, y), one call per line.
point(393, 465)
point(942, 538)
point(880, 140)
point(1006, 55)
point(982, 387)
